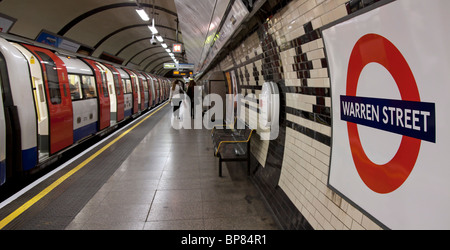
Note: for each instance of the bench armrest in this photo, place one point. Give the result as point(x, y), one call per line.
point(231, 142)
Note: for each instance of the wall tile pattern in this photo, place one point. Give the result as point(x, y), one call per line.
point(292, 171)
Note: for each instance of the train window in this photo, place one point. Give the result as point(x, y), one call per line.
point(135, 84)
point(52, 78)
point(128, 83)
point(75, 87)
point(124, 86)
point(41, 93)
point(104, 85)
point(88, 87)
point(104, 81)
point(115, 79)
point(145, 85)
point(116, 82)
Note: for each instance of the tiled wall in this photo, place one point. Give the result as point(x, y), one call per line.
point(293, 170)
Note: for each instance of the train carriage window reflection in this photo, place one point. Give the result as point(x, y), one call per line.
point(89, 90)
point(51, 75)
point(75, 87)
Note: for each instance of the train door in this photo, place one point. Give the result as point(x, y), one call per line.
point(103, 94)
point(127, 93)
point(136, 94)
point(119, 92)
point(2, 128)
point(165, 89)
point(142, 91)
point(169, 84)
point(151, 91)
point(112, 91)
point(161, 91)
point(59, 122)
point(40, 101)
point(157, 90)
point(146, 95)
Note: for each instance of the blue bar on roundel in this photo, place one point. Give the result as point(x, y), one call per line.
point(413, 119)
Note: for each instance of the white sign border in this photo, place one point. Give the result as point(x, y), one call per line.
point(325, 27)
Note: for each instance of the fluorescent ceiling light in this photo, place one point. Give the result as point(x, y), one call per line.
point(153, 29)
point(164, 45)
point(142, 14)
point(168, 50)
point(171, 55)
point(160, 39)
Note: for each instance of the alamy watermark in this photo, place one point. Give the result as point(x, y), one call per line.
point(263, 118)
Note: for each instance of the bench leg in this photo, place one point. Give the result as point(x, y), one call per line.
point(248, 158)
point(220, 167)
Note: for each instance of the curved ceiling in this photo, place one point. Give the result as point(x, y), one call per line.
point(103, 27)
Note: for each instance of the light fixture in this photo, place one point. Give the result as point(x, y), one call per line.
point(153, 29)
point(142, 14)
point(164, 45)
point(159, 38)
point(168, 50)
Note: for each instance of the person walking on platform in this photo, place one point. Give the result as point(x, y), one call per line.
point(175, 97)
point(191, 93)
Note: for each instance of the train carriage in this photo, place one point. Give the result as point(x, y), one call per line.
point(50, 101)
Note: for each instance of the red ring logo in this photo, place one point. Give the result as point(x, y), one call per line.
point(385, 178)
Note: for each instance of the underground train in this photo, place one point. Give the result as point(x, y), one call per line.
point(50, 102)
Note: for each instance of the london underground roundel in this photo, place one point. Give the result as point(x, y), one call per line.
point(373, 48)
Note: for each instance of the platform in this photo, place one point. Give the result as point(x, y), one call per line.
point(148, 176)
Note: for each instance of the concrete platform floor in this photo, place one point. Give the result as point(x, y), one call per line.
point(170, 182)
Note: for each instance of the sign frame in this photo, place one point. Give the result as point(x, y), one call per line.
point(6, 23)
point(177, 48)
point(332, 90)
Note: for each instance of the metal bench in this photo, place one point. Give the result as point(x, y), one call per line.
point(232, 143)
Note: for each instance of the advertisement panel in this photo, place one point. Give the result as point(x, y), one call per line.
point(389, 74)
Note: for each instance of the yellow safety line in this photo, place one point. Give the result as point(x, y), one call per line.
point(47, 190)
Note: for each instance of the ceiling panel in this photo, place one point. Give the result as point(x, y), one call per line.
point(110, 26)
point(199, 20)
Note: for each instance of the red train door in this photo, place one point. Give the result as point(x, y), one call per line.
point(141, 90)
point(150, 96)
point(135, 91)
point(119, 92)
point(103, 95)
point(60, 109)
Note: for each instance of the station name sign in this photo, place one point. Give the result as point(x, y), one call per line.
point(413, 119)
point(178, 66)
